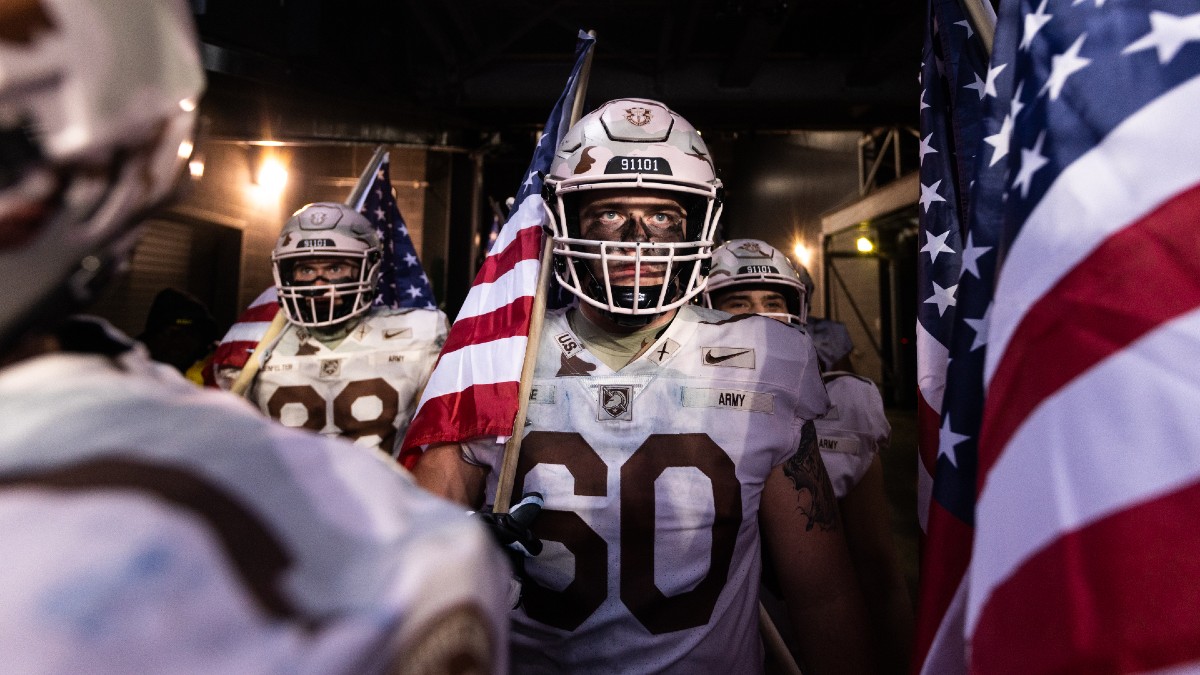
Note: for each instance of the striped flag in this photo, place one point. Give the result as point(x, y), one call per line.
point(1086, 557)
point(244, 335)
point(473, 389)
point(402, 281)
point(954, 288)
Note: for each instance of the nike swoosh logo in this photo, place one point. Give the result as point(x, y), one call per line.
point(388, 334)
point(714, 360)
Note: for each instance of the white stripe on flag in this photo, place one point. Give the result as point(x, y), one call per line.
point(246, 332)
point(486, 363)
point(1090, 201)
point(1066, 454)
point(530, 213)
point(932, 357)
point(518, 282)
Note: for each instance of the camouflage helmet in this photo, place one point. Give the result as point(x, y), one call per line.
point(633, 144)
point(98, 107)
point(751, 264)
point(326, 230)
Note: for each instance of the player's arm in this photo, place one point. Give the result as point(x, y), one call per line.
point(444, 471)
point(866, 514)
point(800, 520)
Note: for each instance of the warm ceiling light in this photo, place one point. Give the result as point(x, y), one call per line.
point(864, 245)
point(272, 176)
point(803, 254)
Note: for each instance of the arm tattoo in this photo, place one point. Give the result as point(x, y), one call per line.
point(807, 472)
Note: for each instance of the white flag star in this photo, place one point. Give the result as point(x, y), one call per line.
point(935, 245)
point(980, 326)
point(965, 24)
point(926, 148)
point(410, 259)
point(1031, 160)
point(924, 105)
point(414, 291)
point(971, 255)
point(403, 229)
point(379, 173)
point(978, 85)
point(1017, 105)
point(1034, 23)
point(1000, 140)
point(1168, 33)
point(379, 213)
point(1063, 66)
point(989, 88)
point(942, 297)
point(529, 179)
point(947, 439)
point(929, 195)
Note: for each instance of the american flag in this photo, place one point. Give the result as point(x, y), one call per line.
point(1086, 558)
point(473, 390)
point(402, 281)
point(955, 271)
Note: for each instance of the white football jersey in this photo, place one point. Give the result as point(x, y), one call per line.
point(365, 389)
point(652, 478)
point(853, 431)
point(153, 526)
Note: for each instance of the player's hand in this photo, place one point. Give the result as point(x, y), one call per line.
point(512, 530)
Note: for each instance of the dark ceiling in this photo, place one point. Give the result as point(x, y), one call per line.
point(367, 68)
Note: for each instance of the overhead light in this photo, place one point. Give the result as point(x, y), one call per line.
point(864, 245)
point(196, 166)
point(803, 254)
point(272, 176)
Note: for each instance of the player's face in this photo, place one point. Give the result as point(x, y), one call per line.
point(632, 216)
point(324, 271)
point(752, 302)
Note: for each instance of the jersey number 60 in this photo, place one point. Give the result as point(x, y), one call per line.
point(659, 613)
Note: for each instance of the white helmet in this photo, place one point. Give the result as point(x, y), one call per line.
point(326, 230)
point(751, 264)
point(633, 143)
point(97, 110)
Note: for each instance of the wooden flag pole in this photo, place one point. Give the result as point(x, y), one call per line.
point(983, 20)
point(241, 385)
point(512, 449)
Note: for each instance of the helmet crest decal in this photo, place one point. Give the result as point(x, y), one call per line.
point(638, 117)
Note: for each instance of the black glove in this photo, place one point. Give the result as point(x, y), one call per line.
point(512, 530)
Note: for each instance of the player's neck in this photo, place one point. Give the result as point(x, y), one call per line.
point(332, 336)
point(605, 322)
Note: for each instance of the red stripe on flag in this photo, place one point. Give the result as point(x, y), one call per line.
point(478, 410)
point(527, 245)
point(505, 322)
point(233, 354)
point(263, 312)
point(942, 569)
point(1137, 279)
point(1117, 596)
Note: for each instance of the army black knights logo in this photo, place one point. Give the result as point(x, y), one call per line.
point(616, 403)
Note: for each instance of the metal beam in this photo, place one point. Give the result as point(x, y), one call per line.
point(891, 197)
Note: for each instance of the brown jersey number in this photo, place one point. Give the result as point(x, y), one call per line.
point(568, 608)
point(345, 419)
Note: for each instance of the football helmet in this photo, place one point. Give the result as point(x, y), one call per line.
point(633, 144)
point(97, 112)
point(754, 264)
point(326, 230)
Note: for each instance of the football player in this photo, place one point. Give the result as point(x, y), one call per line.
point(663, 436)
point(151, 526)
point(751, 276)
point(341, 366)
